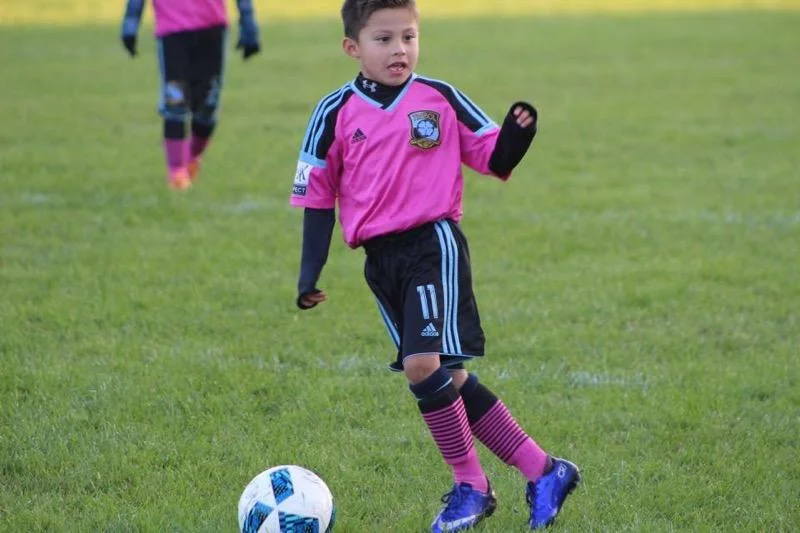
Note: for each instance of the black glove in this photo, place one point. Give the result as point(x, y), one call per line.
point(248, 49)
point(129, 42)
point(248, 36)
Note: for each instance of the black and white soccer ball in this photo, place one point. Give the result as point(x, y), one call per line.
point(286, 499)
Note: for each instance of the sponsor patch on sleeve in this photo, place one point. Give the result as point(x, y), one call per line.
point(301, 177)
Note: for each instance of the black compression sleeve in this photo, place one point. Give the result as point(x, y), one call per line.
point(317, 232)
point(513, 141)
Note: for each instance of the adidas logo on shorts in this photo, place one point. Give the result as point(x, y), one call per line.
point(429, 331)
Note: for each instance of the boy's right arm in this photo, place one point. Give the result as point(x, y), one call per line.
point(317, 233)
point(248, 42)
point(314, 189)
point(130, 25)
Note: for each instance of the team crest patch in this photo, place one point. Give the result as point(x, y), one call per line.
point(425, 132)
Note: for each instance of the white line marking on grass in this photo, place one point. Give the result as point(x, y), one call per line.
point(604, 379)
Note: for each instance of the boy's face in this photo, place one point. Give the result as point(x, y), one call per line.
point(388, 46)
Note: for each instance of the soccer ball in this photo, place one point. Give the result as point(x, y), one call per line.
point(286, 499)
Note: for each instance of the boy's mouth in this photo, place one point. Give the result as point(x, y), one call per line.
point(398, 67)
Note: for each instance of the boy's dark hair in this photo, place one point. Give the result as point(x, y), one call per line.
point(356, 13)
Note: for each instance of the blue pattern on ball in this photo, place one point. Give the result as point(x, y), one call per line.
point(257, 515)
point(298, 524)
point(281, 485)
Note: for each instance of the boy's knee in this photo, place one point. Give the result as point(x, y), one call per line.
point(419, 367)
point(205, 103)
point(174, 105)
point(459, 376)
point(206, 115)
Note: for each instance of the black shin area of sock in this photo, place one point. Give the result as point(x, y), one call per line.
point(477, 398)
point(435, 392)
point(174, 129)
point(202, 130)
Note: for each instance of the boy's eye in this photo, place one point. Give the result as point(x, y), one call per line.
point(410, 37)
point(382, 39)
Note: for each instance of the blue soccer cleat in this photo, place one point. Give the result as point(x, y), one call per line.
point(464, 507)
point(547, 494)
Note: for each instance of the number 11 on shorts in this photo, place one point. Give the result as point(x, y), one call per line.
point(426, 291)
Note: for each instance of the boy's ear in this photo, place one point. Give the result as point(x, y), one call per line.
point(350, 47)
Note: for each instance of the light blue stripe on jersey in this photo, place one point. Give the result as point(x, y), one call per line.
point(468, 105)
point(313, 161)
point(486, 129)
point(321, 129)
point(312, 123)
point(316, 125)
point(390, 325)
point(451, 343)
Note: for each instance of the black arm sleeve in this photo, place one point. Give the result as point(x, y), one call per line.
point(317, 232)
point(513, 141)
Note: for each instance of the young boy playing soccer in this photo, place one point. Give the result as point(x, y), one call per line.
point(191, 55)
point(387, 148)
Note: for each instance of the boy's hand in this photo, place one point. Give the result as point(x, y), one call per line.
point(248, 49)
point(129, 42)
point(312, 299)
point(248, 37)
point(525, 118)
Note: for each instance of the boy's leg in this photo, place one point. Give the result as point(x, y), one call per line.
point(471, 499)
point(407, 281)
point(208, 63)
point(492, 423)
point(174, 105)
point(443, 411)
point(550, 480)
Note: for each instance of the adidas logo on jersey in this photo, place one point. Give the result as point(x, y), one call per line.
point(358, 136)
point(429, 331)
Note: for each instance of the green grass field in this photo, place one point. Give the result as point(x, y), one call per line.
point(638, 280)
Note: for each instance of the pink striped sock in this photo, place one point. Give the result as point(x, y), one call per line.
point(450, 430)
point(175, 151)
point(499, 432)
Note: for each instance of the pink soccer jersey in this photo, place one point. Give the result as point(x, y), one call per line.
point(390, 168)
point(172, 16)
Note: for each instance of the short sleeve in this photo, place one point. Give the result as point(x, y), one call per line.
point(319, 166)
point(477, 133)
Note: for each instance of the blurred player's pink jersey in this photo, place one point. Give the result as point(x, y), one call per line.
point(174, 16)
point(391, 167)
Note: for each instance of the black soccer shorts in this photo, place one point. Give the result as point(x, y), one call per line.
point(191, 64)
point(422, 281)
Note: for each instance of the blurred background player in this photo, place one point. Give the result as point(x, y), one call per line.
point(191, 36)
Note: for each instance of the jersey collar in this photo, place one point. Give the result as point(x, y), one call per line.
point(378, 94)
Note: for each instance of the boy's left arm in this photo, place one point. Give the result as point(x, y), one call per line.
point(130, 24)
point(516, 136)
point(485, 148)
point(248, 42)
